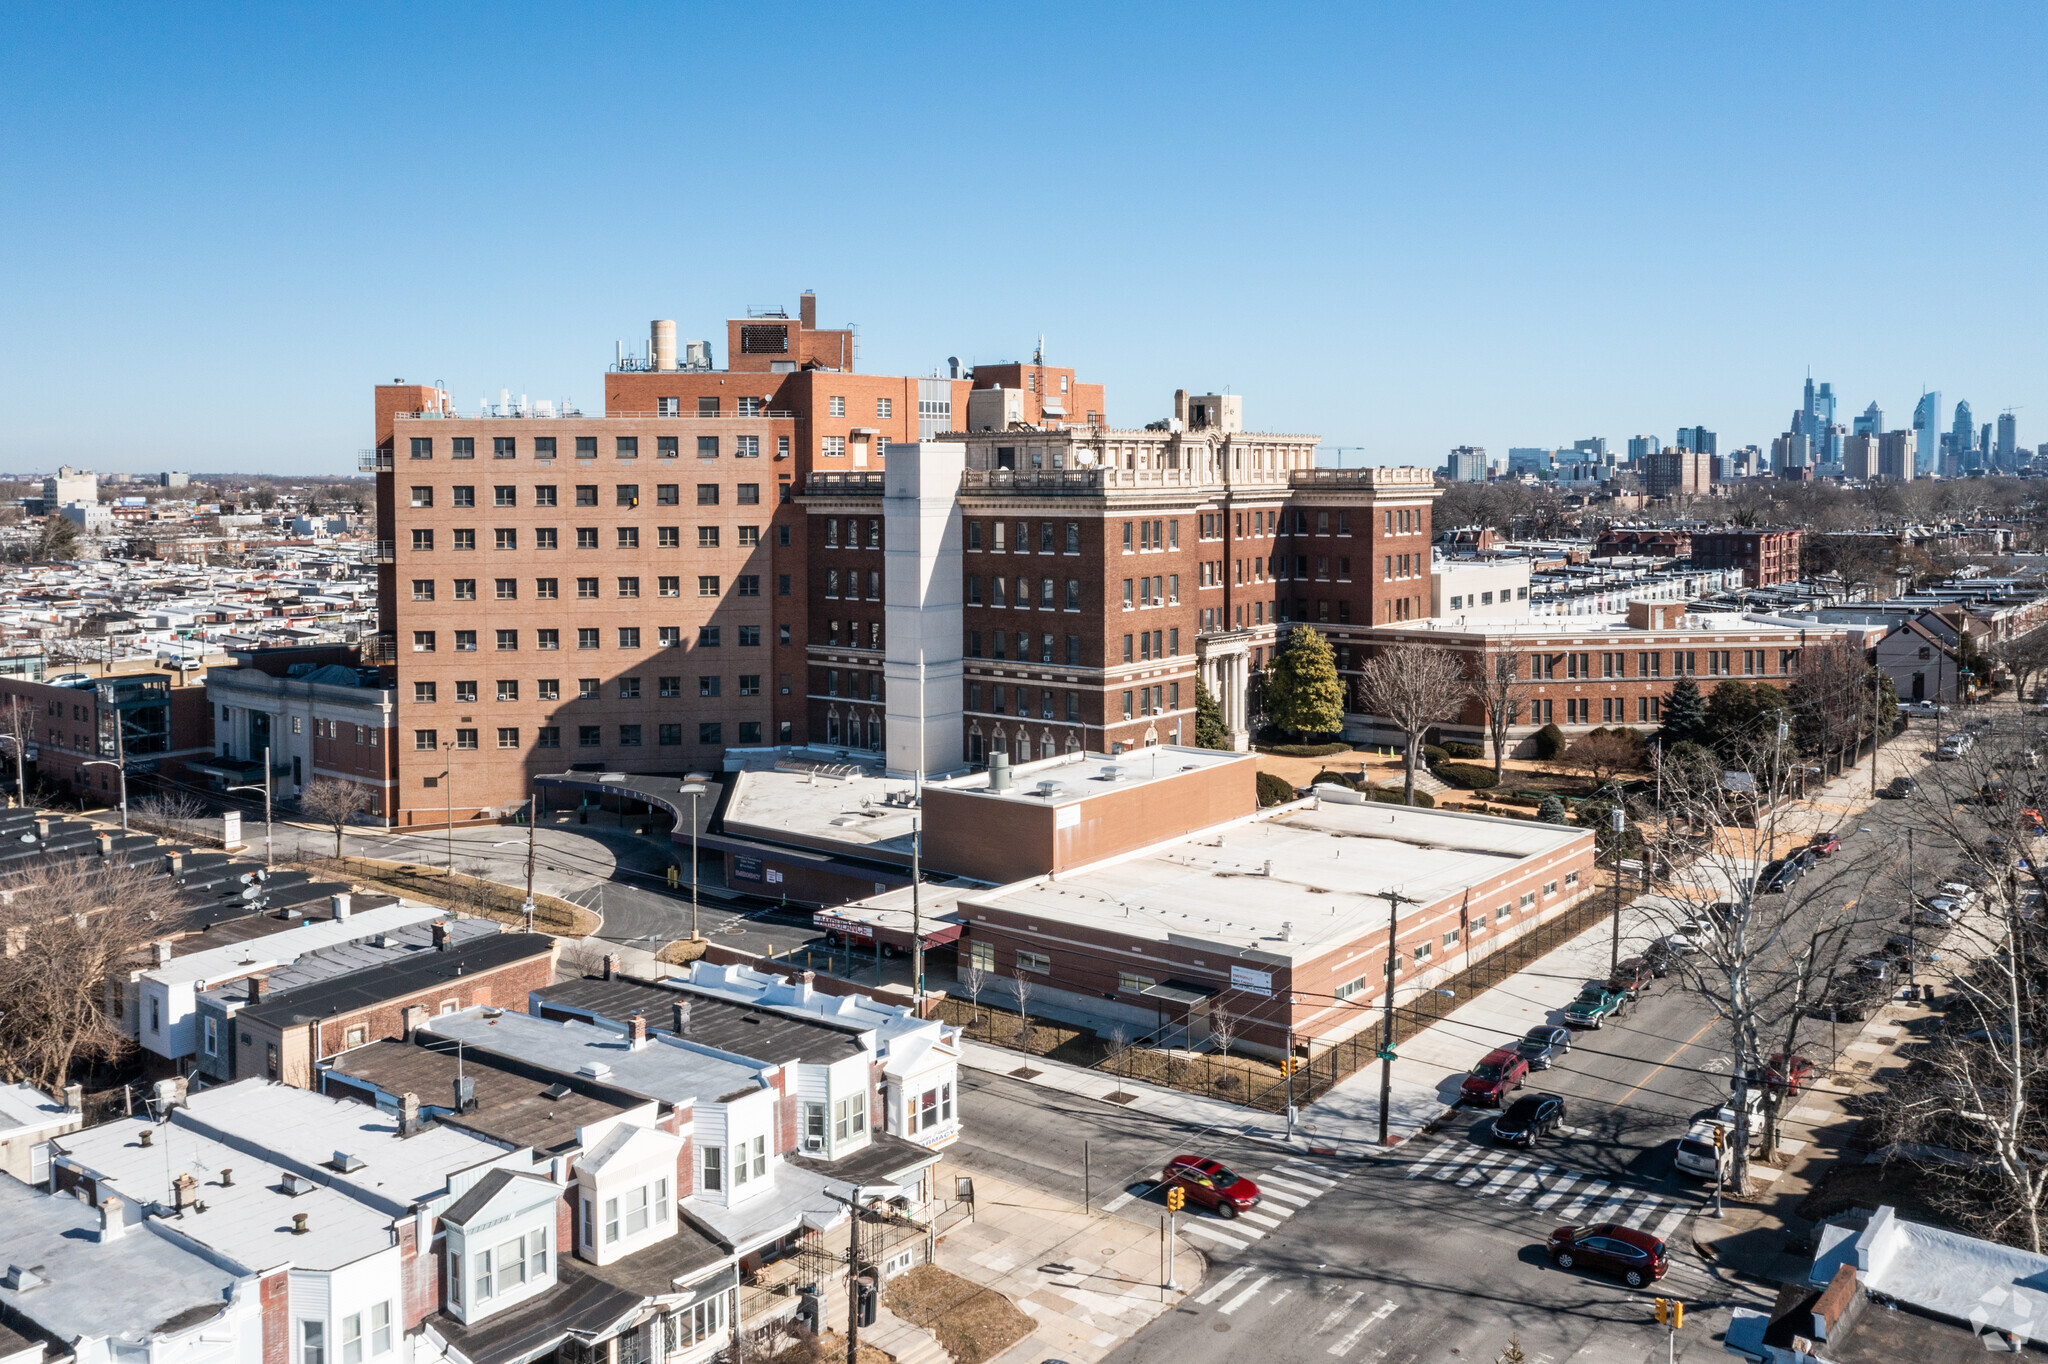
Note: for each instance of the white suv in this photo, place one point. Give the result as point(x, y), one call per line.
point(1697, 1154)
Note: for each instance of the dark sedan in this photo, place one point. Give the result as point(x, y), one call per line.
point(1543, 1044)
point(1527, 1118)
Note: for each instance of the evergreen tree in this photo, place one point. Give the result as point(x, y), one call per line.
point(1685, 714)
point(57, 540)
point(1303, 693)
point(1551, 811)
point(1210, 731)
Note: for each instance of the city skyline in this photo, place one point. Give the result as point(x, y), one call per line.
point(1372, 249)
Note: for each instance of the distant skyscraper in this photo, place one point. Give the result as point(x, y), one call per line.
point(1927, 426)
point(2008, 442)
point(1641, 448)
point(1871, 423)
point(1468, 464)
point(1594, 446)
point(1962, 440)
point(1817, 423)
point(1696, 438)
point(1895, 456)
point(1528, 459)
point(1859, 456)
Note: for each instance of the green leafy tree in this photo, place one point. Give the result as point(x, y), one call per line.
point(1685, 714)
point(1303, 693)
point(1210, 731)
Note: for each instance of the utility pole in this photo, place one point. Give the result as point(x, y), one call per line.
point(853, 1279)
point(1394, 901)
point(20, 752)
point(266, 808)
point(1614, 949)
point(1912, 914)
point(1876, 705)
point(693, 790)
point(916, 923)
point(532, 824)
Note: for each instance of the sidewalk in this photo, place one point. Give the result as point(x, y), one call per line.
point(1431, 1064)
point(1090, 1282)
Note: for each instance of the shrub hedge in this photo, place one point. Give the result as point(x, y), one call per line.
point(1274, 789)
point(1423, 800)
point(1307, 750)
point(1471, 776)
point(1469, 752)
point(1549, 742)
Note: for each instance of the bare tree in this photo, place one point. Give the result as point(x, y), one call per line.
point(1119, 1038)
point(170, 806)
point(72, 930)
point(1504, 695)
point(1831, 699)
point(1762, 955)
point(1222, 1030)
point(976, 980)
point(1602, 757)
point(1023, 1011)
point(1414, 687)
point(19, 729)
point(333, 803)
point(2025, 657)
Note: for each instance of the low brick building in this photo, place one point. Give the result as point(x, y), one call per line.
point(1766, 557)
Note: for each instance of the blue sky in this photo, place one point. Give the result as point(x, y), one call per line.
point(1404, 228)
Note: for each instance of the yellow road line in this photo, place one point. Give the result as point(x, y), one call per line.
point(1665, 1062)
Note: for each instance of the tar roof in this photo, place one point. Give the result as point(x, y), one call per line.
point(662, 1068)
point(1291, 887)
point(135, 1284)
point(509, 1107)
point(340, 960)
point(764, 1035)
point(404, 976)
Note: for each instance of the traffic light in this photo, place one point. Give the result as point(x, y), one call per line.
point(1720, 1136)
point(1176, 1199)
point(1288, 1065)
point(1671, 1312)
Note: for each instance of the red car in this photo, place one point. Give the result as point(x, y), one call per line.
point(1499, 1072)
point(1794, 1075)
point(1827, 843)
point(1211, 1184)
point(1636, 1257)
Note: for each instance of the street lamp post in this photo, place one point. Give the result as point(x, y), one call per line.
point(693, 790)
point(448, 794)
point(265, 789)
point(120, 766)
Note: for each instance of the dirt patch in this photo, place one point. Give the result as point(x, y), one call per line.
point(972, 1322)
point(1849, 1184)
point(683, 951)
point(829, 1348)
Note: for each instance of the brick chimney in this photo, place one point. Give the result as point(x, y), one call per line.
point(807, 310)
point(408, 1114)
point(614, 965)
point(440, 935)
point(162, 950)
point(255, 989)
point(182, 1190)
point(636, 1030)
point(111, 1225)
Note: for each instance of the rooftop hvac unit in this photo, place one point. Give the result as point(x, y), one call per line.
point(1049, 789)
point(1111, 774)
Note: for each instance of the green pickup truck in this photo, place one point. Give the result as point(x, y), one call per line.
point(1594, 1006)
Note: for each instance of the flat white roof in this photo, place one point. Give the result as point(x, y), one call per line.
point(275, 949)
point(1289, 887)
point(23, 1107)
point(1696, 623)
point(854, 808)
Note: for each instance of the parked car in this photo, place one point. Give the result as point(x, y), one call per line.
point(1778, 876)
point(1527, 1118)
point(1499, 1073)
point(1661, 956)
point(1211, 1184)
point(1594, 1006)
point(1793, 1076)
point(1753, 1100)
point(1632, 976)
point(1901, 787)
point(1849, 1000)
point(1699, 1154)
point(1543, 1044)
point(1636, 1257)
point(1825, 844)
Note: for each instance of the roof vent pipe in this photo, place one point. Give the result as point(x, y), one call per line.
point(999, 771)
point(663, 337)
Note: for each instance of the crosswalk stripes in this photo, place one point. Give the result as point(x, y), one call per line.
point(1350, 1341)
point(1517, 1178)
point(1281, 1195)
point(1230, 1308)
point(1225, 1284)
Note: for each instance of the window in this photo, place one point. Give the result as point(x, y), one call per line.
point(586, 447)
point(589, 736)
point(465, 738)
point(380, 1313)
point(629, 537)
point(586, 537)
point(981, 956)
point(422, 447)
point(313, 1341)
point(707, 537)
point(707, 636)
point(710, 732)
point(746, 447)
point(629, 736)
point(707, 585)
point(667, 447)
point(508, 641)
point(547, 639)
point(465, 641)
point(425, 740)
point(850, 1117)
point(508, 736)
point(546, 538)
point(422, 589)
point(422, 495)
point(750, 636)
point(832, 447)
point(629, 587)
point(750, 684)
point(627, 494)
point(748, 584)
point(423, 693)
point(837, 406)
point(628, 447)
point(507, 589)
point(885, 407)
point(462, 447)
point(668, 735)
point(750, 536)
point(1034, 961)
point(422, 540)
point(668, 537)
point(670, 636)
point(465, 540)
point(712, 1174)
point(586, 637)
point(629, 636)
point(707, 447)
point(465, 589)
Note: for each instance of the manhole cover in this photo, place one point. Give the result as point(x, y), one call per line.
point(1025, 1073)
point(1220, 1327)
